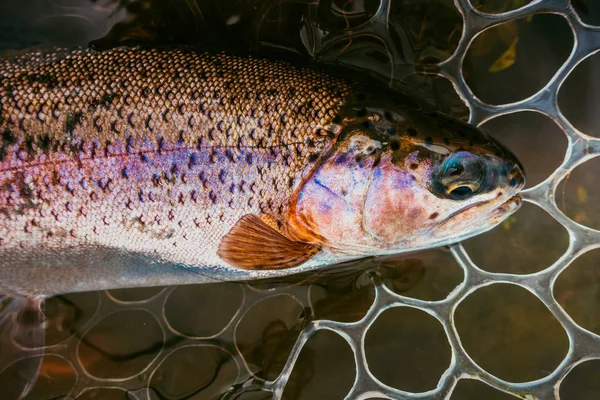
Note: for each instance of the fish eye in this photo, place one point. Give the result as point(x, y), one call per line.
point(462, 175)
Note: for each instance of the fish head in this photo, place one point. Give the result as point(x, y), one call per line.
point(404, 178)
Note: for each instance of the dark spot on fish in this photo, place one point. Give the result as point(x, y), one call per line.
point(107, 99)
point(411, 132)
point(313, 157)
point(9, 91)
point(113, 127)
point(222, 175)
point(412, 177)
point(394, 145)
point(341, 159)
point(213, 197)
point(174, 170)
point(97, 124)
point(434, 215)
point(93, 105)
point(367, 124)
point(193, 160)
point(144, 158)
point(8, 138)
point(229, 154)
point(337, 119)
point(161, 144)
point(125, 173)
point(145, 92)
point(73, 119)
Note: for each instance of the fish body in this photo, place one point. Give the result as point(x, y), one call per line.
point(135, 167)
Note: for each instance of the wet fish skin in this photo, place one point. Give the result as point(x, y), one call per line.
point(157, 151)
point(129, 167)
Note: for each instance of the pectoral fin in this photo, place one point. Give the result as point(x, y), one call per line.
point(255, 245)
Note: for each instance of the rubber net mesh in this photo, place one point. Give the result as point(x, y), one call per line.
point(221, 345)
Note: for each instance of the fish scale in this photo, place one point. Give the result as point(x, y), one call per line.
point(152, 151)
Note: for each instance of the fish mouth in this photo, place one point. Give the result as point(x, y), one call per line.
point(504, 209)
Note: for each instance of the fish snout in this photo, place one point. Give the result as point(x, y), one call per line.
point(516, 176)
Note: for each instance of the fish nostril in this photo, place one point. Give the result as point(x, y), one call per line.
point(516, 177)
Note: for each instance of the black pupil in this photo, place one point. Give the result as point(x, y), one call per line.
point(462, 191)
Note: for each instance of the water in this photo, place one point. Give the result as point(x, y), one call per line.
point(511, 313)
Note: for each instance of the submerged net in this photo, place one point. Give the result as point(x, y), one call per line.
point(221, 342)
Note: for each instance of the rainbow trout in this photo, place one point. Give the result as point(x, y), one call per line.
point(132, 167)
point(135, 167)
